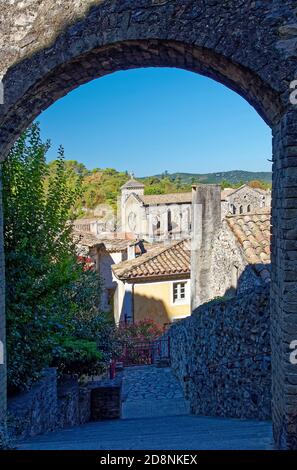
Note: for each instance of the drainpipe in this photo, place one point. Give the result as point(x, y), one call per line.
point(133, 319)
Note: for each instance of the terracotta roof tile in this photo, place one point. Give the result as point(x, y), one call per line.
point(133, 184)
point(86, 239)
point(178, 198)
point(175, 198)
point(252, 232)
point(111, 245)
point(168, 260)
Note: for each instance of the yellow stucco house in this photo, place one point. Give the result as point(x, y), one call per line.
point(155, 285)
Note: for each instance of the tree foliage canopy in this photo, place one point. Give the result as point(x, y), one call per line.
point(49, 296)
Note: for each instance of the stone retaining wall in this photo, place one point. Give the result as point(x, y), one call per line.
point(48, 405)
point(221, 355)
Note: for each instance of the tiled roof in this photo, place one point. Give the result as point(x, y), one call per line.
point(175, 198)
point(228, 191)
point(132, 183)
point(84, 239)
point(161, 261)
point(252, 231)
point(112, 245)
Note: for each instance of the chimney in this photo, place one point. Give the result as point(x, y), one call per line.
point(131, 251)
point(206, 217)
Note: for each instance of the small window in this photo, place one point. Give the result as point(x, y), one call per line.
point(248, 208)
point(240, 210)
point(179, 291)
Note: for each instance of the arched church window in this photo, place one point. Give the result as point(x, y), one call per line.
point(169, 221)
point(189, 219)
point(248, 209)
point(240, 210)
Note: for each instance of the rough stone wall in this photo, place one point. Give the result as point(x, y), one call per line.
point(221, 355)
point(27, 26)
point(284, 281)
point(47, 406)
point(35, 411)
point(249, 279)
point(3, 384)
point(247, 198)
point(228, 267)
point(74, 404)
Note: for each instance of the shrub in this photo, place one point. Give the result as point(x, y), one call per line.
point(103, 331)
point(77, 357)
point(135, 340)
point(144, 330)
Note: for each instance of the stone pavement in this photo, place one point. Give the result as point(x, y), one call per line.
point(149, 391)
point(163, 433)
point(156, 417)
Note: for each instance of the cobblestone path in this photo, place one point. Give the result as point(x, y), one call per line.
point(150, 391)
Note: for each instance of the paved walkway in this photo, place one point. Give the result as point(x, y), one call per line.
point(164, 433)
point(149, 391)
point(156, 418)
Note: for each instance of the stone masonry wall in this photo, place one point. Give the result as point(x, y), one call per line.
point(221, 355)
point(35, 411)
point(47, 406)
point(2, 323)
point(284, 281)
point(225, 255)
point(247, 196)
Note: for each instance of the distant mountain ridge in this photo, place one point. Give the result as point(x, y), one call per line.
point(234, 177)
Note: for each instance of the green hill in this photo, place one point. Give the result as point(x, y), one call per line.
point(233, 177)
point(102, 186)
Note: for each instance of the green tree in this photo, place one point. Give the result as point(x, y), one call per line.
point(42, 272)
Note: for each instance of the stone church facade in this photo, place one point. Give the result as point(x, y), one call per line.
point(154, 217)
point(244, 200)
point(169, 216)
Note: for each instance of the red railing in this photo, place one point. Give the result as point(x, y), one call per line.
point(140, 353)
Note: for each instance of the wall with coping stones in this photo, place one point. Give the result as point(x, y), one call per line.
point(49, 48)
point(221, 355)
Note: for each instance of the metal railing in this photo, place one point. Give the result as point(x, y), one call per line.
point(141, 353)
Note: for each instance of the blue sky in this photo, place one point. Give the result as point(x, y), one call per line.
point(152, 120)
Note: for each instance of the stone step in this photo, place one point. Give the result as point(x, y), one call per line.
point(150, 391)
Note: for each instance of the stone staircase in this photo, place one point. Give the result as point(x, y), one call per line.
point(150, 391)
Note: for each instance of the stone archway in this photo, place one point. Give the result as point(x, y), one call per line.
point(50, 49)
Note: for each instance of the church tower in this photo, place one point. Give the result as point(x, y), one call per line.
point(131, 187)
